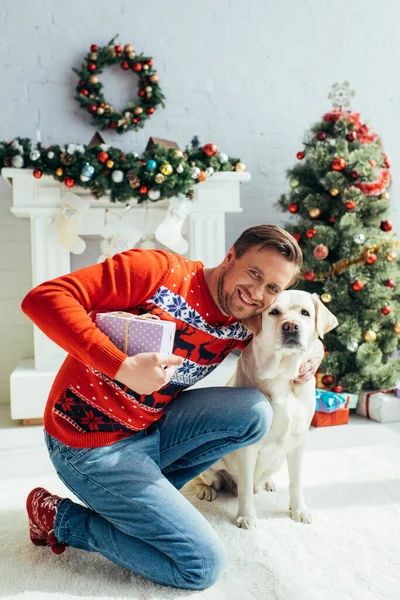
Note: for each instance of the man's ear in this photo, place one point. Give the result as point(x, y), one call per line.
point(253, 323)
point(324, 319)
point(229, 256)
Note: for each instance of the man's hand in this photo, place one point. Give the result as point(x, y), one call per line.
point(310, 366)
point(145, 373)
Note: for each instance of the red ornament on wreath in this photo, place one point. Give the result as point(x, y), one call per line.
point(125, 65)
point(37, 173)
point(320, 252)
point(92, 67)
point(350, 204)
point(69, 182)
point(94, 48)
point(137, 67)
point(309, 275)
point(327, 380)
point(386, 226)
point(338, 164)
point(143, 190)
point(321, 136)
point(357, 285)
point(310, 233)
point(210, 149)
point(300, 155)
point(386, 310)
point(371, 259)
point(103, 157)
point(293, 207)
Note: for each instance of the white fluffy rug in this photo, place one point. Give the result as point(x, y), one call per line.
point(351, 551)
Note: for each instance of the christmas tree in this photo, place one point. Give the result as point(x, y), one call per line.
point(340, 197)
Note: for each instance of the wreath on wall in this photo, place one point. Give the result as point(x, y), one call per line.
point(89, 91)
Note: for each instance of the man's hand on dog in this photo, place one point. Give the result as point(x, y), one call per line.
point(310, 366)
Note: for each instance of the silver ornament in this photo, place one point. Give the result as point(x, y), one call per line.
point(210, 171)
point(80, 149)
point(50, 155)
point(17, 161)
point(179, 169)
point(352, 346)
point(195, 172)
point(34, 155)
point(71, 148)
point(223, 158)
point(359, 238)
point(154, 194)
point(15, 144)
point(117, 176)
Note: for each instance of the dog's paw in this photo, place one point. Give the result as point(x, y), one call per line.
point(246, 522)
point(300, 516)
point(205, 492)
point(269, 486)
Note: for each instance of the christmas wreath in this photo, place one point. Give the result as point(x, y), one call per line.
point(89, 91)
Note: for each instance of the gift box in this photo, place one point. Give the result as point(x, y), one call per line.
point(327, 401)
point(134, 334)
point(338, 417)
point(382, 406)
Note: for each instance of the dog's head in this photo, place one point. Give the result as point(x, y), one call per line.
point(293, 322)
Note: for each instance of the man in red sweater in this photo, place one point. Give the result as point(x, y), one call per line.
point(121, 434)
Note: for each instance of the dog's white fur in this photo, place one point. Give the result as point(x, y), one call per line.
point(270, 363)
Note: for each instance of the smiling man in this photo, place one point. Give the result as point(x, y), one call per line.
point(120, 432)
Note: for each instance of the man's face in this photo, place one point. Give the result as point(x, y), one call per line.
point(248, 285)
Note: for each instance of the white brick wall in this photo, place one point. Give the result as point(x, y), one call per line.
point(249, 76)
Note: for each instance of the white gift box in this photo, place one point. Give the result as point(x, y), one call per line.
point(382, 406)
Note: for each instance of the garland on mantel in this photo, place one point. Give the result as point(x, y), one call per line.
point(158, 174)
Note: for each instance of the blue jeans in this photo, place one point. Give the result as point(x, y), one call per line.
point(134, 514)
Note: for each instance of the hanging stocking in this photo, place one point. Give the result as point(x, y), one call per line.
point(67, 221)
point(118, 236)
point(169, 232)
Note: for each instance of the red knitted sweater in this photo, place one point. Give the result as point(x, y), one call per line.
point(86, 406)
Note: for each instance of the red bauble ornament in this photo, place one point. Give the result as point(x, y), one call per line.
point(85, 92)
point(149, 63)
point(350, 204)
point(103, 156)
point(390, 283)
point(141, 93)
point(327, 379)
point(118, 49)
point(113, 125)
point(91, 66)
point(357, 285)
point(92, 108)
point(310, 233)
point(309, 275)
point(69, 182)
point(296, 236)
point(331, 220)
point(300, 155)
point(355, 174)
point(94, 48)
point(37, 173)
point(137, 67)
point(386, 225)
point(371, 259)
point(102, 104)
point(320, 252)
point(338, 164)
point(372, 163)
point(210, 149)
point(136, 120)
point(150, 110)
point(338, 389)
point(125, 65)
point(293, 207)
point(351, 136)
point(321, 136)
point(386, 310)
point(143, 190)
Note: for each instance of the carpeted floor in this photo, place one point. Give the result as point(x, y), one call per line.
point(351, 551)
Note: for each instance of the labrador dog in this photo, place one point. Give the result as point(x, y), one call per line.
point(283, 339)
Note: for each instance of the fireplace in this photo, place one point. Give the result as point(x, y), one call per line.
point(40, 200)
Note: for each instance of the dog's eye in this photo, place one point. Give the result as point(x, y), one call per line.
point(274, 311)
point(305, 312)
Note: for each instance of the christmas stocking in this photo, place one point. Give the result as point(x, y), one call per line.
point(67, 221)
point(118, 237)
point(169, 232)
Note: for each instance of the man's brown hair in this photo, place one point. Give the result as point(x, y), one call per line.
point(270, 236)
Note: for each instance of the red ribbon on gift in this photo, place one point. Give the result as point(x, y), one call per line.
point(367, 397)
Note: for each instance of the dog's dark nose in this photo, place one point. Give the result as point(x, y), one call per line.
point(290, 326)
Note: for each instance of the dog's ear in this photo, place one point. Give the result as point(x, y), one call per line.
point(324, 319)
point(253, 323)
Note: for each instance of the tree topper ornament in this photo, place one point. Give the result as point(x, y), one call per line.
point(341, 94)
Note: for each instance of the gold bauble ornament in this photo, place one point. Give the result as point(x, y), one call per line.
point(391, 256)
point(396, 327)
point(178, 153)
point(132, 55)
point(59, 172)
point(385, 196)
point(93, 79)
point(294, 183)
point(128, 48)
point(153, 78)
point(240, 167)
point(159, 178)
point(109, 164)
point(93, 56)
point(108, 109)
point(148, 89)
point(314, 212)
point(326, 298)
point(370, 336)
point(334, 192)
point(100, 111)
point(112, 52)
point(166, 169)
point(138, 110)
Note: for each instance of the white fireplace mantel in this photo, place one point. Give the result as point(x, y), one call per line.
point(40, 201)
